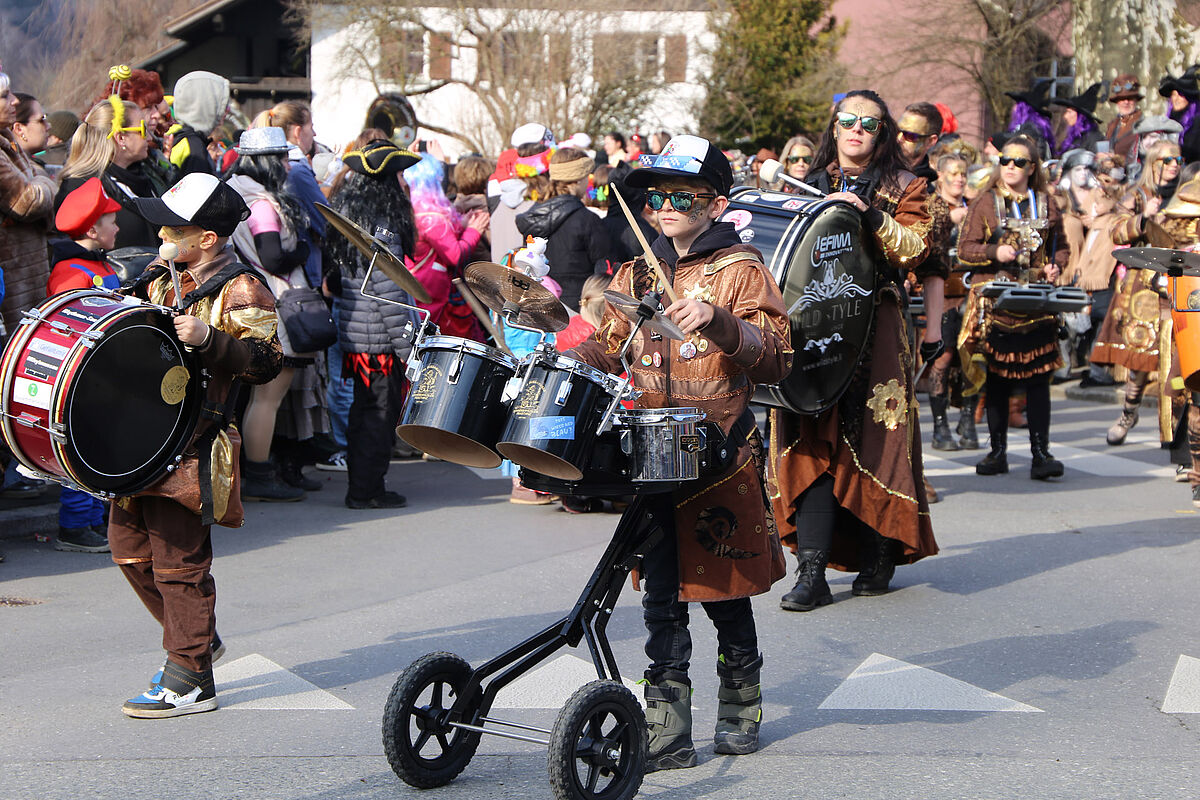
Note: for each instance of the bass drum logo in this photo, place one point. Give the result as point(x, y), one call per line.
point(530, 400)
point(427, 384)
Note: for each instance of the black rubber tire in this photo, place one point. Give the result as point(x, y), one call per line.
point(446, 674)
point(600, 735)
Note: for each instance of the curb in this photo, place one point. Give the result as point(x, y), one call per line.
point(17, 523)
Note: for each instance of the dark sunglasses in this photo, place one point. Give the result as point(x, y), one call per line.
point(1019, 163)
point(794, 159)
point(869, 124)
point(680, 201)
point(913, 136)
point(1172, 160)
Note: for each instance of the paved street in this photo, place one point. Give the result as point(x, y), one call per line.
point(1051, 650)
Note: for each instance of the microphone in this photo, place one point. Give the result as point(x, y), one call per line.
point(772, 171)
point(168, 252)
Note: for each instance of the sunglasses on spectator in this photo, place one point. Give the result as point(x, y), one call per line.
point(139, 129)
point(806, 159)
point(1172, 160)
point(913, 136)
point(846, 120)
point(680, 201)
point(1019, 163)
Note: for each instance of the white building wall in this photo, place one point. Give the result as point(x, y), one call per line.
point(340, 102)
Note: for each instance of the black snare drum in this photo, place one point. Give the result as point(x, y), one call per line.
point(817, 251)
point(455, 410)
point(554, 420)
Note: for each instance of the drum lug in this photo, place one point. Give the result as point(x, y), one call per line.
point(31, 317)
point(455, 369)
point(58, 432)
point(62, 327)
point(626, 441)
point(91, 337)
point(564, 391)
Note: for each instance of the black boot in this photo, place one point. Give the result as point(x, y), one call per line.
point(261, 481)
point(292, 474)
point(942, 438)
point(810, 590)
point(967, 437)
point(739, 707)
point(995, 462)
point(1045, 466)
point(879, 565)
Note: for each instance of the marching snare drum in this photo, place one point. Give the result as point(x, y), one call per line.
point(96, 392)
point(662, 444)
point(555, 418)
point(816, 251)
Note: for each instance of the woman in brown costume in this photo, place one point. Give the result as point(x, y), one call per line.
point(1137, 331)
point(847, 484)
point(1013, 230)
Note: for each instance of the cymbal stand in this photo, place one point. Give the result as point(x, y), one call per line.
point(645, 312)
point(413, 332)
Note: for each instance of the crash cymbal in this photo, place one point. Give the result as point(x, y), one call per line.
point(368, 245)
point(1160, 259)
point(502, 289)
point(658, 323)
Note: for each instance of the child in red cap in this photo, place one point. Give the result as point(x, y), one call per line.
point(88, 218)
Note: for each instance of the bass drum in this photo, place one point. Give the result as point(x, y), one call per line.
point(817, 252)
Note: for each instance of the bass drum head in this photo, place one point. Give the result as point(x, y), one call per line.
point(132, 405)
point(819, 255)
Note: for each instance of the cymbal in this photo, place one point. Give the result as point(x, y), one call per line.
point(1161, 259)
point(368, 245)
point(658, 323)
point(497, 286)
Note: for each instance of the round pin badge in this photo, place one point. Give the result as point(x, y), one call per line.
point(657, 359)
point(647, 360)
point(687, 350)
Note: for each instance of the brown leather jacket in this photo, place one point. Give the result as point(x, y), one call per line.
point(747, 342)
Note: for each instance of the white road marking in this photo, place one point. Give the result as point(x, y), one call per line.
point(551, 685)
point(1183, 694)
point(882, 683)
point(258, 683)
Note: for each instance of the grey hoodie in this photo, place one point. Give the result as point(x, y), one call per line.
point(201, 99)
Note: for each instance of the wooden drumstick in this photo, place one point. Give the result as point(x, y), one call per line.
point(168, 252)
point(650, 258)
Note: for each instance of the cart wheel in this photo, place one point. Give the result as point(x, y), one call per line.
point(422, 749)
point(598, 745)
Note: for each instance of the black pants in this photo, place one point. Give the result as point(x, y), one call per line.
point(669, 643)
point(371, 430)
point(1037, 404)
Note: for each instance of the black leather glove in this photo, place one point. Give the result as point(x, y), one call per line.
point(931, 350)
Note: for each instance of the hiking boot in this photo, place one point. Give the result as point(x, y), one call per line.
point(80, 540)
point(385, 500)
point(739, 708)
point(811, 589)
point(879, 557)
point(1120, 428)
point(669, 720)
point(261, 481)
point(180, 691)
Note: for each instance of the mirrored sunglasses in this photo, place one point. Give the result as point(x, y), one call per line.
point(1172, 160)
point(680, 201)
point(1019, 163)
point(869, 124)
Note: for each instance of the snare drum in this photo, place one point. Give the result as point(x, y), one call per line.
point(96, 392)
point(554, 420)
point(662, 444)
point(455, 410)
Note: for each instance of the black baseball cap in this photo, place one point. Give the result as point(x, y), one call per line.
point(685, 156)
point(197, 199)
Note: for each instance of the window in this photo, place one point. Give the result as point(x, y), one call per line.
point(402, 54)
point(440, 56)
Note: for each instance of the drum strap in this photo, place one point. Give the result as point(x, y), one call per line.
point(722, 450)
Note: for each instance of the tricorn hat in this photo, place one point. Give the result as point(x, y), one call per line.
point(379, 158)
point(1187, 84)
point(1083, 103)
point(1038, 96)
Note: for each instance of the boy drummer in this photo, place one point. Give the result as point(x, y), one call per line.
point(720, 546)
point(160, 538)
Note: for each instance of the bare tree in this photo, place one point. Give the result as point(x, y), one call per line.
point(1148, 38)
point(548, 61)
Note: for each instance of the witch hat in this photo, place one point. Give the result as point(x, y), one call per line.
point(1083, 103)
point(1038, 96)
point(1187, 84)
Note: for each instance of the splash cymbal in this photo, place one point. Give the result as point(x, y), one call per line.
point(1161, 259)
point(516, 297)
point(368, 245)
point(658, 323)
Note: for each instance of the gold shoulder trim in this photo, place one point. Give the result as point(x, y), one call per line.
point(725, 261)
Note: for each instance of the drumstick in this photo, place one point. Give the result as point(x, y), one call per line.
point(169, 252)
point(481, 313)
point(650, 259)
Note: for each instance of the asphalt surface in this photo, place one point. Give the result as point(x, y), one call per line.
point(1048, 651)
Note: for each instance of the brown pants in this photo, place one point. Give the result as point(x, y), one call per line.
point(166, 555)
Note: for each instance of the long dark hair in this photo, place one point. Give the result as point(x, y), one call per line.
point(271, 172)
point(886, 159)
point(369, 201)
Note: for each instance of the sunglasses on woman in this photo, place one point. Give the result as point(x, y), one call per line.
point(793, 159)
point(1019, 163)
point(869, 124)
point(680, 201)
point(1172, 160)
